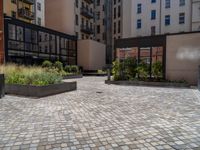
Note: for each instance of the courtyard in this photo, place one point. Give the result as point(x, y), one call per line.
point(103, 117)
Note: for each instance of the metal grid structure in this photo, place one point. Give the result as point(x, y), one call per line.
point(31, 44)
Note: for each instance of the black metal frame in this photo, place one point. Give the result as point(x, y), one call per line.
point(142, 42)
point(38, 44)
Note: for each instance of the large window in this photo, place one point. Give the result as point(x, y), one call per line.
point(139, 24)
point(167, 3)
point(182, 2)
point(153, 14)
point(139, 8)
point(181, 18)
point(167, 20)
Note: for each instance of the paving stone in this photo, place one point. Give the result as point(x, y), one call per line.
point(102, 117)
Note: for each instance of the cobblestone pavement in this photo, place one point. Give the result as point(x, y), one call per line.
point(99, 116)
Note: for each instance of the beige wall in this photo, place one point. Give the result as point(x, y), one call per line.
point(91, 55)
point(60, 15)
point(183, 57)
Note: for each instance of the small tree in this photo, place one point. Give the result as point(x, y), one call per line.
point(142, 70)
point(157, 69)
point(130, 67)
point(117, 70)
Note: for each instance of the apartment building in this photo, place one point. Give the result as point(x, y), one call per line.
point(154, 17)
point(74, 17)
point(31, 11)
point(100, 20)
point(39, 12)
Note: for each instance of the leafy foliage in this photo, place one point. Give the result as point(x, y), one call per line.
point(142, 70)
point(47, 64)
point(37, 76)
point(157, 69)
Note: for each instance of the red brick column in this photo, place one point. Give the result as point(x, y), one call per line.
point(1, 33)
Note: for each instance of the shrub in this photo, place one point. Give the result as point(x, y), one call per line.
point(58, 65)
point(47, 64)
point(157, 69)
point(117, 70)
point(67, 68)
point(142, 70)
point(74, 69)
point(130, 68)
point(30, 76)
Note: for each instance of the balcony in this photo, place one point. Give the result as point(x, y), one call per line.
point(30, 2)
point(86, 29)
point(89, 1)
point(27, 14)
point(85, 12)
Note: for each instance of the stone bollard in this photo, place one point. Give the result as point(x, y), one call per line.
point(109, 76)
point(2, 86)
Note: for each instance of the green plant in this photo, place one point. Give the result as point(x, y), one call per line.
point(58, 65)
point(37, 76)
point(101, 72)
point(47, 64)
point(130, 68)
point(117, 70)
point(74, 69)
point(67, 68)
point(142, 70)
point(157, 69)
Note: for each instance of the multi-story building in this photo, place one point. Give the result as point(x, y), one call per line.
point(154, 17)
point(40, 12)
point(31, 11)
point(100, 20)
point(72, 16)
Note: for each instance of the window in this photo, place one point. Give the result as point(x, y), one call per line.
point(13, 1)
point(114, 13)
point(153, 30)
point(167, 3)
point(139, 8)
point(39, 21)
point(77, 20)
point(13, 14)
point(153, 14)
point(119, 26)
point(38, 6)
point(153, 1)
point(77, 3)
point(114, 27)
point(182, 2)
point(119, 11)
point(139, 24)
point(98, 29)
point(167, 20)
point(98, 2)
point(181, 18)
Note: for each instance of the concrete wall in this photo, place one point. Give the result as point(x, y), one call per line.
point(59, 15)
point(91, 54)
point(183, 57)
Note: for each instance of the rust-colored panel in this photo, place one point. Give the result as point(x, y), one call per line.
point(1, 33)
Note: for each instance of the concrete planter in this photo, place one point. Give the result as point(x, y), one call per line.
point(40, 91)
point(143, 83)
point(73, 76)
point(2, 85)
point(199, 78)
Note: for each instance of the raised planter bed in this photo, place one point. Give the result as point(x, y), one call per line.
point(95, 74)
point(73, 76)
point(40, 91)
point(149, 83)
point(2, 86)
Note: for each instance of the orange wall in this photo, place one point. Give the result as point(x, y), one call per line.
point(1, 33)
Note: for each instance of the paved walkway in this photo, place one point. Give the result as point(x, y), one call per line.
point(99, 116)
